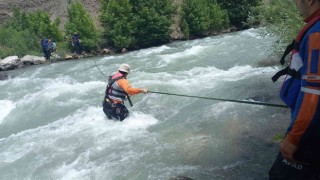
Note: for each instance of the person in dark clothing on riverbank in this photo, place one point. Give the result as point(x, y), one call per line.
point(45, 47)
point(117, 91)
point(299, 156)
point(76, 43)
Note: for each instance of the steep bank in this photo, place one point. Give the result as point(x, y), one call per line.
point(56, 8)
point(59, 9)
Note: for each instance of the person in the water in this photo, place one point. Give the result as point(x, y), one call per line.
point(117, 91)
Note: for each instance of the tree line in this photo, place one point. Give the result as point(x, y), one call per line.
point(132, 24)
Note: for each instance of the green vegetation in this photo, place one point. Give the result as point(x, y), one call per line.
point(118, 21)
point(239, 11)
point(134, 24)
point(282, 20)
point(13, 42)
point(21, 34)
point(81, 22)
point(202, 16)
point(153, 20)
point(137, 23)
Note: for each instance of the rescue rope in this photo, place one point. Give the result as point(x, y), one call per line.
point(220, 99)
point(209, 98)
point(99, 69)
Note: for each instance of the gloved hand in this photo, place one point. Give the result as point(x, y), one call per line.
point(144, 90)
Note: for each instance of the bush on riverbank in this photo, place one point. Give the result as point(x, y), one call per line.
point(13, 42)
point(282, 20)
point(127, 24)
point(81, 22)
point(201, 17)
point(20, 35)
point(137, 23)
point(239, 11)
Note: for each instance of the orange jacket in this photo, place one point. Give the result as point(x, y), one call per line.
point(125, 85)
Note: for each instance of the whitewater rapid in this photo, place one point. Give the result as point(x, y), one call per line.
point(52, 125)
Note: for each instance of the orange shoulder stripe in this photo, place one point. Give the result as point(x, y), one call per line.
point(305, 116)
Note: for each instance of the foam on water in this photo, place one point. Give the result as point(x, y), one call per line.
point(54, 88)
point(200, 76)
point(251, 33)
point(170, 58)
point(85, 125)
point(154, 50)
point(59, 131)
point(6, 107)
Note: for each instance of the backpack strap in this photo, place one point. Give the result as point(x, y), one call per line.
point(289, 48)
point(294, 45)
point(279, 74)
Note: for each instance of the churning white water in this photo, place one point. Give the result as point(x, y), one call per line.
point(52, 125)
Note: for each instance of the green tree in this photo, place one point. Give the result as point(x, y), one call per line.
point(218, 17)
point(20, 33)
point(202, 16)
point(239, 10)
point(37, 22)
point(20, 43)
point(137, 23)
point(81, 22)
point(119, 23)
point(197, 16)
point(282, 20)
point(153, 20)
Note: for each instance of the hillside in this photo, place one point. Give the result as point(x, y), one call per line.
point(59, 8)
point(55, 8)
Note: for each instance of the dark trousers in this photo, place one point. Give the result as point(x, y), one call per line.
point(282, 169)
point(77, 48)
point(117, 111)
point(46, 53)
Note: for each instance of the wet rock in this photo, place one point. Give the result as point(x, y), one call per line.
point(10, 60)
point(71, 56)
point(105, 51)
point(10, 63)
point(33, 60)
point(7, 67)
point(124, 50)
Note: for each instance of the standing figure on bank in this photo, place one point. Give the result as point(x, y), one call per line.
point(45, 47)
point(117, 91)
point(52, 47)
point(76, 43)
point(299, 156)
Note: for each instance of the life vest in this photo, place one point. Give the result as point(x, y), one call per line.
point(291, 85)
point(113, 90)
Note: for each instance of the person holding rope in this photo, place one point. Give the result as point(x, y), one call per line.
point(117, 91)
point(299, 156)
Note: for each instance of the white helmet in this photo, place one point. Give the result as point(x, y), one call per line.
point(124, 68)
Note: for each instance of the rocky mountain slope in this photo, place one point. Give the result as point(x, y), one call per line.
point(55, 8)
point(59, 8)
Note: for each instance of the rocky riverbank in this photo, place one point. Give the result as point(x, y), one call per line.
point(15, 62)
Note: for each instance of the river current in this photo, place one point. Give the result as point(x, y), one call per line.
point(52, 125)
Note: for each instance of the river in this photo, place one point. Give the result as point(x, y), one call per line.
point(52, 125)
